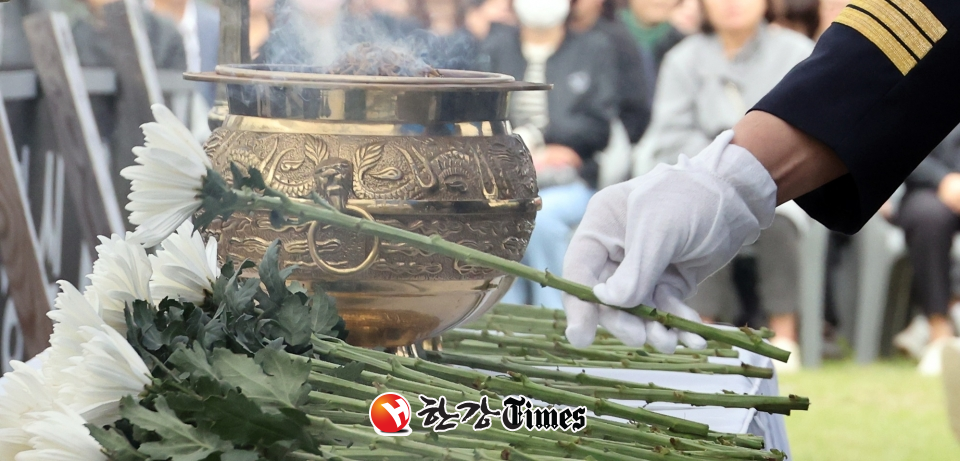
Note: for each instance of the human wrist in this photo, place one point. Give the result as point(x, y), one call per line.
point(738, 168)
point(797, 162)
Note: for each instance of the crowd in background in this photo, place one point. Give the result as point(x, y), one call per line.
point(659, 77)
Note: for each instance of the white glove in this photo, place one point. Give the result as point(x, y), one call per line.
point(652, 239)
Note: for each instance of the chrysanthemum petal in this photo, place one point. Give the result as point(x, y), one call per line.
point(60, 435)
point(184, 269)
point(120, 276)
point(167, 179)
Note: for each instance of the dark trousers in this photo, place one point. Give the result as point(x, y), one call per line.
point(929, 226)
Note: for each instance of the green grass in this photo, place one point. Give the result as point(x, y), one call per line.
point(881, 412)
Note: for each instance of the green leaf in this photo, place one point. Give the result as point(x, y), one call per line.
point(274, 279)
point(179, 441)
point(192, 360)
point(240, 455)
point(238, 419)
point(255, 179)
point(349, 372)
point(287, 373)
point(116, 446)
point(145, 317)
point(294, 319)
point(324, 314)
point(282, 388)
point(277, 220)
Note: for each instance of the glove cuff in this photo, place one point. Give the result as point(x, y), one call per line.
point(739, 168)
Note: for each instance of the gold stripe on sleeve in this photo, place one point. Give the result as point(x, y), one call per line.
point(880, 36)
point(905, 30)
point(923, 17)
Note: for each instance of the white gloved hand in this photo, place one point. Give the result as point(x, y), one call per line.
point(653, 239)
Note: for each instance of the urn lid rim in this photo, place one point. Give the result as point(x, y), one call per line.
point(292, 75)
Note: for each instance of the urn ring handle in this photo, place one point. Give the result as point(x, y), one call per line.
point(370, 259)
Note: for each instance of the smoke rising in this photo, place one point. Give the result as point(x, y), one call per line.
point(334, 40)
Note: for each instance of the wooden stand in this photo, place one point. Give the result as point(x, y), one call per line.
point(27, 279)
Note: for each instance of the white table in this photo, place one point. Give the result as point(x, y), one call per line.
point(732, 420)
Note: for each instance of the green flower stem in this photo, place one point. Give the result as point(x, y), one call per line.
point(522, 386)
point(585, 384)
point(336, 401)
point(523, 310)
point(412, 389)
point(779, 405)
point(325, 455)
point(746, 339)
point(624, 432)
point(567, 350)
point(749, 371)
point(560, 445)
point(714, 349)
point(546, 313)
point(342, 417)
point(331, 430)
point(627, 432)
point(381, 362)
point(380, 382)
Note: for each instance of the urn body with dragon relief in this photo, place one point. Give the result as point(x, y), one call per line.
point(431, 155)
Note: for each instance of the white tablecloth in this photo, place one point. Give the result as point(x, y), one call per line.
point(732, 420)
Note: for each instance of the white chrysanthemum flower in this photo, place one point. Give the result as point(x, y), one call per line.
point(60, 435)
point(25, 392)
point(120, 276)
point(167, 181)
point(184, 269)
point(107, 370)
point(72, 312)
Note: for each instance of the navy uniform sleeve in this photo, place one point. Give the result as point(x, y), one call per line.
point(882, 89)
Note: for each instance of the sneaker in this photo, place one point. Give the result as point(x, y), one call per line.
point(931, 364)
point(913, 339)
point(793, 363)
point(951, 383)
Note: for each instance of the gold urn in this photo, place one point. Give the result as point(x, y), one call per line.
point(433, 155)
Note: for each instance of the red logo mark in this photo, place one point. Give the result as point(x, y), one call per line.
point(390, 414)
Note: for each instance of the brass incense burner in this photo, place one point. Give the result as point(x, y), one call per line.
point(433, 155)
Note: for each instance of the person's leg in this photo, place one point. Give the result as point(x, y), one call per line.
point(929, 227)
point(778, 264)
point(563, 207)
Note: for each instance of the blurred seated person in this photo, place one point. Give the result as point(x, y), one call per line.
point(94, 49)
point(706, 83)
point(482, 14)
point(261, 21)
point(801, 16)
point(444, 42)
point(687, 17)
point(635, 100)
point(563, 128)
point(199, 25)
point(929, 214)
point(649, 23)
point(399, 9)
point(829, 10)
